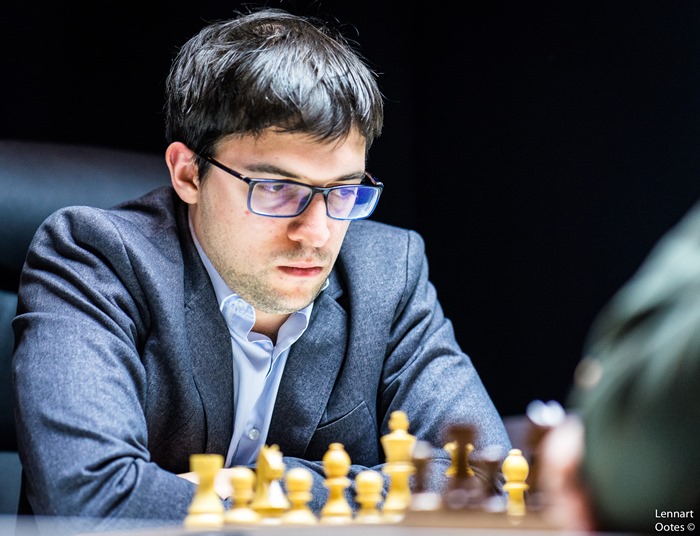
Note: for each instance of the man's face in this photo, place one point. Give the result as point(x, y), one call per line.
point(278, 265)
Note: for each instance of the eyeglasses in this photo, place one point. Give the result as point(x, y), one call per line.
point(286, 199)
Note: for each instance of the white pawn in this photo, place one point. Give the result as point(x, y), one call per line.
point(368, 489)
point(242, 483)
point(299, 482)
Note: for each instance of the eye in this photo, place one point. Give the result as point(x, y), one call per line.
point(277, 187)
point(346, 192)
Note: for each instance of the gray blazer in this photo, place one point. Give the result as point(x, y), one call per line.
point(123, 363)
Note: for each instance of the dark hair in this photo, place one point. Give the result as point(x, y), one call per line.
point(269, 69)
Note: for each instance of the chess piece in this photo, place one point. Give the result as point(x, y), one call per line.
point(451, 449)
point(398, 450)
point(421, 498)
point(242, 484)
point(368, 489)
point(206, 509)
point(269, 499)
point(515, 470)
point(464, 490)
point(541, 418)
point(299, 482)
point(336, 464)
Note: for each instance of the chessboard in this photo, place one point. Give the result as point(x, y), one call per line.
point(272, 500)
point(272, 496)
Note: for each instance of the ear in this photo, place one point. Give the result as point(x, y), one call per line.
point(184, 174)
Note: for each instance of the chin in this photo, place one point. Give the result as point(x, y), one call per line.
point(298, 302)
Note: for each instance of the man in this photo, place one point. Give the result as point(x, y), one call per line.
point(243, 306)
point(627, 459)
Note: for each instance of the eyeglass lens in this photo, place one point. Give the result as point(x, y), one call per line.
point(285, 199)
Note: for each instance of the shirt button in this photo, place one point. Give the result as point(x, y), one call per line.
point(253, 434)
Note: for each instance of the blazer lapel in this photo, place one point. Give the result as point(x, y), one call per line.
point(209, 345)
point(309, 375)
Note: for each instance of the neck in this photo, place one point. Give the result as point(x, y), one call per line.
point(269, 324)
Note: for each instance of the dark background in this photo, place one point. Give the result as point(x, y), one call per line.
point(541, 148)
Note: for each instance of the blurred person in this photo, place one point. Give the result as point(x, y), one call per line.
point(627, 457)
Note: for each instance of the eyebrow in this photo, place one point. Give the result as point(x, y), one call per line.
point(274, 170)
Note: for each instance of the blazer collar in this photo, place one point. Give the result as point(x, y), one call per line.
point(310, 374)
point(209, 344)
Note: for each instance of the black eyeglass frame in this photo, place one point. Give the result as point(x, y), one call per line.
point(368, 180)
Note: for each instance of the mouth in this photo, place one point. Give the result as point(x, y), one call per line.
point(301, 271)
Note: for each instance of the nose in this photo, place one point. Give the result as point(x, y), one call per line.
point(311, 226)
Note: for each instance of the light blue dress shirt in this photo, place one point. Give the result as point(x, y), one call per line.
point(257, 366)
